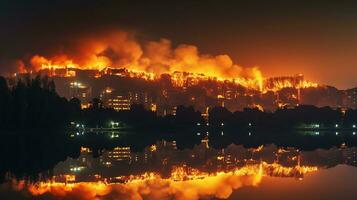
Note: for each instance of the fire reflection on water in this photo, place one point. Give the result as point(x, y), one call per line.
point(183, 183)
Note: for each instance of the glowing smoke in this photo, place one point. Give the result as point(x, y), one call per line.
point(121, 49)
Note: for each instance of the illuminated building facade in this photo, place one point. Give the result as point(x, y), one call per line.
point(123, 100)
point(352, 97)
point(118, 102)
point(80, 91)
point(120, 154)
point(120, 88)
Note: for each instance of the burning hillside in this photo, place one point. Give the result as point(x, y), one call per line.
point(112, 52)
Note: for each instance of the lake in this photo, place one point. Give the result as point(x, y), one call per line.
point(163, 171)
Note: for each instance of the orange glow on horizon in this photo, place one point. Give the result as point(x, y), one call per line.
point(254, 81)
point(111, 51)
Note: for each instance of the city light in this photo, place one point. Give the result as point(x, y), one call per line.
point(113, 124)
point(76, 169)
point(153, 148)
point(114, 136)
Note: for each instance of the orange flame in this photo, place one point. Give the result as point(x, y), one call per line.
point(118, 49)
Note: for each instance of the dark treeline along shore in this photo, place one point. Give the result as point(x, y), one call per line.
point(33, 104)
point(36, 131)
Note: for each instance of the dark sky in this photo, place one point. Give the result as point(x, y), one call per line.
point(316, 38)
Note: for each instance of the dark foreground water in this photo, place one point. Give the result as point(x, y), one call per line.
point(164, 171)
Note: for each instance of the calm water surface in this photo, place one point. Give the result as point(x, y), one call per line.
point(162, 171)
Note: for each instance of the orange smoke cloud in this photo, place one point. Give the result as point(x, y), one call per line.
point(161, 57)
point(21, 66)
point(116, 49)
point(120, 49)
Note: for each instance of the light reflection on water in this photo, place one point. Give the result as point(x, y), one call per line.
point(162, 171)
point(327, 184)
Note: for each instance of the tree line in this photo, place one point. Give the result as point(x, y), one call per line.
point(34, 104)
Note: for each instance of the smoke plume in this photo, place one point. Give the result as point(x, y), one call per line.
point(120, 49)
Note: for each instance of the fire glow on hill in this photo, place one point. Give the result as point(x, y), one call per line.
point(121, 50)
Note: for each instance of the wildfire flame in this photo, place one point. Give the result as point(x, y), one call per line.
point(119, 50)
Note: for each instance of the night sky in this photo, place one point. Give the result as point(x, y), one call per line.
point(316, 38)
